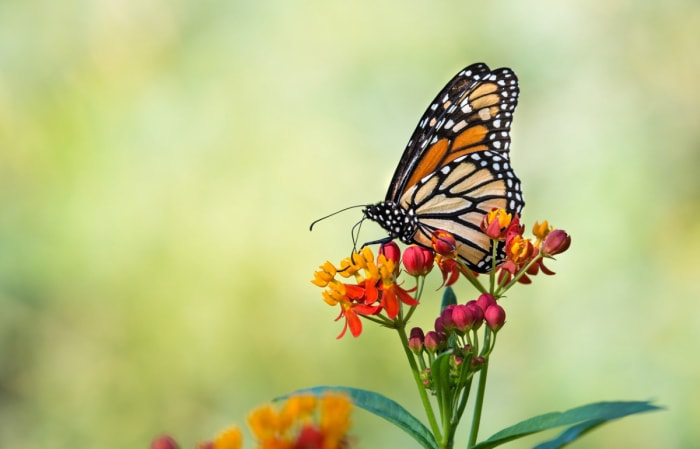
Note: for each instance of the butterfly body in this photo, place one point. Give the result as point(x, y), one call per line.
point(456, 166)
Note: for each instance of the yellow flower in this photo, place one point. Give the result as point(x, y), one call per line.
point(335, 419)
point(264, 422)
point(231, 438)
point(302, 423)
point(495, 223)
point(325, 275)
point(298, 407)
point(540, 231)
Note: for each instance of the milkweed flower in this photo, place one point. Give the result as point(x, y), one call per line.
point(540, 230)
point(495, 223)
point(449, 268)
point(375, 288)
point(444, 243)
point(304, 422)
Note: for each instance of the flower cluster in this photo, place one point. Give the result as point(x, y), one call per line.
point(523, 256)
point(375, 293)
point(455, 333)
point(375, 290)
point(304, 422)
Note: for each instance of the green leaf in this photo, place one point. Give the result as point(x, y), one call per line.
point(440, 373)
point(381, 406)
point(448, 298)
point(584, 419)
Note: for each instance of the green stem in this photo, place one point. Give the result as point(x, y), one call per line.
point(478, 405)
point(470, 276)
point(520, 274)
point(419, 384)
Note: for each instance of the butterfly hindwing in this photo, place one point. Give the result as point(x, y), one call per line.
point(456, 198)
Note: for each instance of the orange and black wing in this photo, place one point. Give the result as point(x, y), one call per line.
point(472, 113)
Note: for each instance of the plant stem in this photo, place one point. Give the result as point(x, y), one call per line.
point(419, 384)
point(478, 405)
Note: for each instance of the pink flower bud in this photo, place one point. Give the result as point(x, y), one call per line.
point(432, 341)
point(462, 318)
point(415, 341)
point(556, 242)
point(391, 251)
point(495, 316)
point(439, 327)
point(446, 320)
point(485, 300)
point(418, 261)
point(164, 442)
point(477, 313)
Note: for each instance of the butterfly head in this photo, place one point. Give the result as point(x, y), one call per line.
point(397, 221)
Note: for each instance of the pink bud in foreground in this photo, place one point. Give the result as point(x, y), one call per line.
point(485, 300)
point(495, 316)
point(477, 312)
point(462, 317)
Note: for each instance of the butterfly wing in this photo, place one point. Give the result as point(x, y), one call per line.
point(456, 165)
point(473, 112)
point(455, 199)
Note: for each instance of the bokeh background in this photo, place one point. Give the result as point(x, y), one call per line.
point(160, 162)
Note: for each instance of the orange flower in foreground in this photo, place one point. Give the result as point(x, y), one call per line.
point(305, 422)
point(375, 289)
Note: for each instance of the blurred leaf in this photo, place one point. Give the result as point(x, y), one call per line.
point(585, 418)
point(448, 298)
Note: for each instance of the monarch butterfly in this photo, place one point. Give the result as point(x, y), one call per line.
point(456, 167)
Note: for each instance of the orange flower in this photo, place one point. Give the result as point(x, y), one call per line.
point(495, 223)
point(304, 422)
point(444, 243)
point(375, 290)
point(520, 250)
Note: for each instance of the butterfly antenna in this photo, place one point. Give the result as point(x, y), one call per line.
point(311, 227)
point(355, 234)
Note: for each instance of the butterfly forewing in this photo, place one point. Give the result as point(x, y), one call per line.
point(473, 112)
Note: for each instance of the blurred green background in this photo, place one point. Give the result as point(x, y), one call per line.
point(160, 162)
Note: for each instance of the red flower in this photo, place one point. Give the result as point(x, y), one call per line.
point(444, 243)
point(352, 313)
point(391, 295)
point(450, 270)
point(495, 223)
